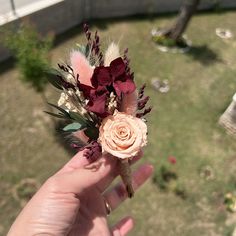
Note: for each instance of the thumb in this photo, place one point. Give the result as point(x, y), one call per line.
point(78, 180)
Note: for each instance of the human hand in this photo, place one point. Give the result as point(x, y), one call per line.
point(75, 200)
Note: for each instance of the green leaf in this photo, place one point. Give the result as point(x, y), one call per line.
point(79, 118)
point(56, 115)
point(92, 133)
point(60, 109)
point(53, 77)
point(73, 127)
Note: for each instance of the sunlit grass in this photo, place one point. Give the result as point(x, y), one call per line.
point(183, 124)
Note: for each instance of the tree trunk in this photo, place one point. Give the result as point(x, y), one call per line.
point(184, 17)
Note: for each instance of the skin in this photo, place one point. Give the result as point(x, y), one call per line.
point(71, 202)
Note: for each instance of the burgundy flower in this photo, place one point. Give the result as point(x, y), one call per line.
point(93, 151)
point(114, 75)
point(142, 102)
point(106, 79)
point(97, 105)
point(85, 89)
point(101, 76)
point(127, 86)
point(97, 100)
point(117, 67)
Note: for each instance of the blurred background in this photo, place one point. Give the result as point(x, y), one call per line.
point(185, 53)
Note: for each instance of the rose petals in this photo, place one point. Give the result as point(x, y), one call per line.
point(122, 135)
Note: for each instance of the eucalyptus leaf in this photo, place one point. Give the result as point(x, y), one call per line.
point(73, 127)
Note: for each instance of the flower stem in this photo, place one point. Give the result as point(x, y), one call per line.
point(125, 173)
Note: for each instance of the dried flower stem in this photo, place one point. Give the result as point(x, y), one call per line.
point(125, 173)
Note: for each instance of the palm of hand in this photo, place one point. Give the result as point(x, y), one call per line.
point(91, 219)
point(72, 201)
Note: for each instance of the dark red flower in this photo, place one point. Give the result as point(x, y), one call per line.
point(93, 151)
point(142, 102)
point(97, 100)
point(97, 105)
point(101, 76)
point(125, 87)
point(122, 81)
point(117, 67)
point(114, 75)
point(85, 89)
point(107, 79)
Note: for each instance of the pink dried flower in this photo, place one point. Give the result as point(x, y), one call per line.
point(81, 67)
point(129, 103)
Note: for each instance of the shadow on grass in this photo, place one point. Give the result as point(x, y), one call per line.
point(104, 24)
point(204, 55)
point(7, 65)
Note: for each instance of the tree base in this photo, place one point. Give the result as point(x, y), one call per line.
point(166, 44)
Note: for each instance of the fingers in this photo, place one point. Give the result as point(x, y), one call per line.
point(76, 162)
point(104, 183)
point(123, 227)
point(77, 175)
point(79, 161)
point(78, 180)
point(118, 194)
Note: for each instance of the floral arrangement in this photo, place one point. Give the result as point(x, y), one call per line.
point(105, 112)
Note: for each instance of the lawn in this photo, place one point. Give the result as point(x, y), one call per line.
point(183, 124)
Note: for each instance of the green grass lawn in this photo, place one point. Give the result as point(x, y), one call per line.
point(183, 123)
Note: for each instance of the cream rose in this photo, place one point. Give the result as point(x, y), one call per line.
point(122, 135)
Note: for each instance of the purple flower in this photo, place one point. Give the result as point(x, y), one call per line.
point(93, 151)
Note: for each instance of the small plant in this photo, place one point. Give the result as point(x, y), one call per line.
point(180, 191)
point(168, 42)
point(165, 174)
point(230, 202)
point(31, 51)
point(166, 178)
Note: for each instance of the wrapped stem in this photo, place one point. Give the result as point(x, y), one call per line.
point(125, 173)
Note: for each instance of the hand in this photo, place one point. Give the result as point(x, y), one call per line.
point(75, 200)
